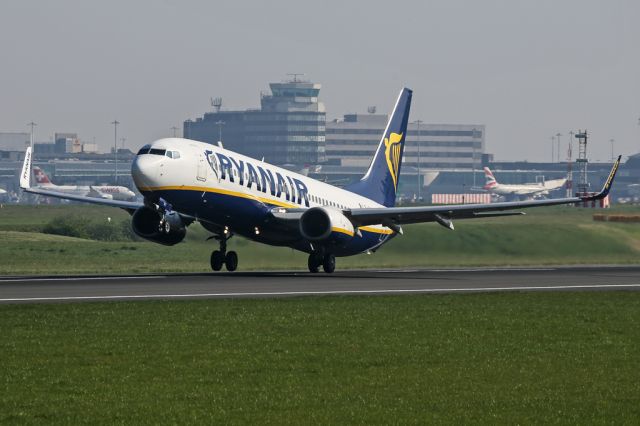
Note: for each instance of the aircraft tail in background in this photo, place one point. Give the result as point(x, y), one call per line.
point(41, 177)
point(491, 181)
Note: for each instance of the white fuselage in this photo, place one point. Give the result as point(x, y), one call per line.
point(527, 189)
point(206, 168)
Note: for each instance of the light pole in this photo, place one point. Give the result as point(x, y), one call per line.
point(570, 152)
point(122, 140)
point(612, 156)
point(558, 149)
point(115, 145)
point(475, 134)
point(32, 125)
point(175, 129)
point(419, 122)
point(570, 165)
point(220, 123)
point(553, 148)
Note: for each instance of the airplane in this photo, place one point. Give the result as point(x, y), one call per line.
point(184, 181)
point(529, 190)
point(100, 191)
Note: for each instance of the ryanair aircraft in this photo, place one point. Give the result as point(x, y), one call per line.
point(184, 181)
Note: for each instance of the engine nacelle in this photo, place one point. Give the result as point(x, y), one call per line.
point(149, 224)
point(323, 224)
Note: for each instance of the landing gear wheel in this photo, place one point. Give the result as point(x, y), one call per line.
point(231, 261)
point(313, 263)
point(329, 263)
point(217, 259)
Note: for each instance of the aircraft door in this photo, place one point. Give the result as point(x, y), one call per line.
point(201, 173)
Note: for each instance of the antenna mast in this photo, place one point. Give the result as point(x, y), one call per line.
point(216, 104)
point(583, 184)
point(295, 76)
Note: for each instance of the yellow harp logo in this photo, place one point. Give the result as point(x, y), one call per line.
point(392, 154)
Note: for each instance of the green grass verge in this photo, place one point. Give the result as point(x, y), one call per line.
point(561, 235)
point(486, 358)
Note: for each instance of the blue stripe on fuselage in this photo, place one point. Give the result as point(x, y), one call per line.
point(242, 215)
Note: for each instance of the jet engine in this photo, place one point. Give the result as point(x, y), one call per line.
point(321, 224)
point(151, 225)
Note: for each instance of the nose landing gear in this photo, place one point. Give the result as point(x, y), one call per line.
point(222, 257)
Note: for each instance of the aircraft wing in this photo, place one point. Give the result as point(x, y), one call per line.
point(127, 205)
point(394, 216)
point(25, 184)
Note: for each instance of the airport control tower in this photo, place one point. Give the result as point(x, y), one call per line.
point(289, 127)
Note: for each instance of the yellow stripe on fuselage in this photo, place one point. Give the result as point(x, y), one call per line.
point(278, 203)
point(342, 231)
point(385, 231)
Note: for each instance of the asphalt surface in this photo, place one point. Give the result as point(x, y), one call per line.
point(288, 284)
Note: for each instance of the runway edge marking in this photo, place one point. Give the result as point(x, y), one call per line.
point(318, 293)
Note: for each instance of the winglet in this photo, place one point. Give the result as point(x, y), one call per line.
point(25, 176)
point(607, 184)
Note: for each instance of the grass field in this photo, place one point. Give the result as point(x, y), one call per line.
point(485, 358)
point(560, 235)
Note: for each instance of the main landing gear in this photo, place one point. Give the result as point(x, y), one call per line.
point(328, 262)
point(222, 257)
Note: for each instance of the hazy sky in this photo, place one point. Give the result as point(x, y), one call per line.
point(525, 69)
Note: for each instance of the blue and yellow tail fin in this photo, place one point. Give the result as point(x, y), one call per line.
point(381, 180)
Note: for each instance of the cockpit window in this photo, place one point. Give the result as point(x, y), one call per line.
point(144, 150)
point(173, 154)
point(155, 151)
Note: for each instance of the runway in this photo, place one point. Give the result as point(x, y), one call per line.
point(289, 284)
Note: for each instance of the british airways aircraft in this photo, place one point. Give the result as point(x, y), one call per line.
point(184, 181)
point(526, 190)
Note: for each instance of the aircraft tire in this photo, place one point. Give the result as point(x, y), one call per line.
point(313, 263)
point(217, 260)
point(231, 261)
point(329, 263)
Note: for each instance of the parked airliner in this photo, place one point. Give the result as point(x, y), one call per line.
point(527, 190)
point(184, 181)
point(111, 192)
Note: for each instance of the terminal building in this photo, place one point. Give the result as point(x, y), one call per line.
point(429, 148)
point(352, 141)
point(289, 127)
point(14, 141)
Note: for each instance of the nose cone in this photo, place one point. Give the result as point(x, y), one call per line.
point(144, 171)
